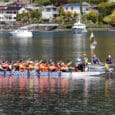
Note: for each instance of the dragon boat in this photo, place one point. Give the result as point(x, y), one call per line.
point(51, 74)
point(93, 70)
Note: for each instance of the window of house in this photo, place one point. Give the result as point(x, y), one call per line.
point(48, 9)
point(54, 9)
point(14, 12)
point(71, 8)
point(10, 17)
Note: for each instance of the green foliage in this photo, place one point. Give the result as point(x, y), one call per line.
point(96, 1)
point(92, 16)
point(113, 19)
point(72, 1)
point(54, 2)
point(59, 19)
point(43, 2)
point(106, 8)
point(100, 18)
point(62, 12)
point(107, 19)
point(75, 14)
point(110, 19)
point(29, 16)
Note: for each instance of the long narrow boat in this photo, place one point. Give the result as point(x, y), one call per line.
point(51, 74)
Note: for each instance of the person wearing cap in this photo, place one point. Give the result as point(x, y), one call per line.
point(95, 59)
point(84, 61)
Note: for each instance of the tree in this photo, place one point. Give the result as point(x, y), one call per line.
point(93, 16)
point(110, 19)
point(106, 8)
point(113, 19)
point(54, 2)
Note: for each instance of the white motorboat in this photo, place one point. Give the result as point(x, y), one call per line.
point(22, 32)
point(79, 28)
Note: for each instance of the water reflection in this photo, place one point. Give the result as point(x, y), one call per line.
point(47, 45)
point(25, 96)
point(55, 45)
point(80, 44)
point(13, 48)
point(55, 95)
point(108, 85)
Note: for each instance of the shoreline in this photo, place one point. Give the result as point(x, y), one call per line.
point(66, 29)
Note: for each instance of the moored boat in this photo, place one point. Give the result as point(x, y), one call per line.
point(22, 32)
point(79, 28)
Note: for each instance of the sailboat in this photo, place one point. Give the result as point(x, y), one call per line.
point(79, 28)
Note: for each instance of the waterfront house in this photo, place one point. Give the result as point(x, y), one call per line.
point(8, 14)
point(75, 7)
point(49, 12)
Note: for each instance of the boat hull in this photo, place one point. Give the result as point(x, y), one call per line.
point(51, 74)
point(79, 28)
point(79, 31)
point(22, 34)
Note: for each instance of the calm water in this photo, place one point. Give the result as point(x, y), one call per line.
point(46, 96)
point(55, 45)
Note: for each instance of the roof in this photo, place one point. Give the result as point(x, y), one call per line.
point(76, 4)
point(50, 6)
point(13, 8)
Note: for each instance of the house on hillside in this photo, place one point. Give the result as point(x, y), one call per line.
point(49, 12)
point(8, 14)
point(75, 7)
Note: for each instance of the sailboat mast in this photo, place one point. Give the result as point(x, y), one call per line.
point(81, 10)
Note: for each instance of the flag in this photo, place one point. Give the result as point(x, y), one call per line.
point(92, 37)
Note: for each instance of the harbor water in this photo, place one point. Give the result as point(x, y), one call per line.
point(55, 46)
point(21, 95)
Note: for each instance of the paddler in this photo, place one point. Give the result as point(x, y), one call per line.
point(109, 61)
point(84, 61)
point(95, 59)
